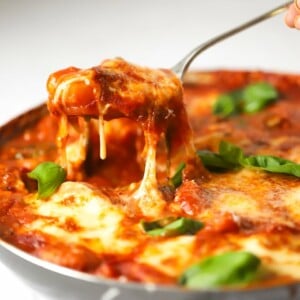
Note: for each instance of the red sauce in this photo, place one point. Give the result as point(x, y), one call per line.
point(125, 164)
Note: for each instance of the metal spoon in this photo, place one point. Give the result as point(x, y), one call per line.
point(182, 66)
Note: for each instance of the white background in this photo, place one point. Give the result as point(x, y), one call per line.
point(39, 37)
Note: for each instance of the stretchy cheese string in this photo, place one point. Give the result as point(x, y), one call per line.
point(150, 199)
point(101, 128)
point(61, 140)
point(102, 149)
point(61, 93)
point(101, 123)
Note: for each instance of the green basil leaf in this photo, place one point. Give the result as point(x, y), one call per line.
point(231, 153)
point(214, 161)
point(229, 157)
point(258, 95)
point(225, 105)
point(180, 226)
point(230, 268)
point(176, 179)
point(254, 106)
point(49, 177)
point(147, 226)
point(252, 98)
point(273, 164)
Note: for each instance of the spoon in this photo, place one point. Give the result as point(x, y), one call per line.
point(182, 66)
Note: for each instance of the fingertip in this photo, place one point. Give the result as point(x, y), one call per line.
point(297, 5)
point(289, 19)
point(297, 22)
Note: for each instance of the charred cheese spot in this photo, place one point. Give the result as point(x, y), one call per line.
point(292, 202)
point(245, 191)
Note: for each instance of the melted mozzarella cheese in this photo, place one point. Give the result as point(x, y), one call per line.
point(292, 202)
point(278, 258)
point(149, 199)
point(98, 222)
point(102, 149)
point(100, 228)
point(152, 98)
point(252, 196)
point(170, 256)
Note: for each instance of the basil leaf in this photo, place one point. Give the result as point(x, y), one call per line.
point(273, 164)
point(214, 161)
point(230, 268)
point(252, 98)
point(225, 105)
point(147, 226)
point(229, 157)
point(49, 177)
point(180, 226)
point(176, 179)
point(256, 96)
point(231, 153)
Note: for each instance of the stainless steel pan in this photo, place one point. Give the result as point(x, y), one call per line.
point(56, 282)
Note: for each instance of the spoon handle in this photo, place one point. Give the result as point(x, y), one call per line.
point(181, 67)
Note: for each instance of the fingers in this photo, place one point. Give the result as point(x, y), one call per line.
point(297, 18)
point(292, 17)
point(297, 22)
